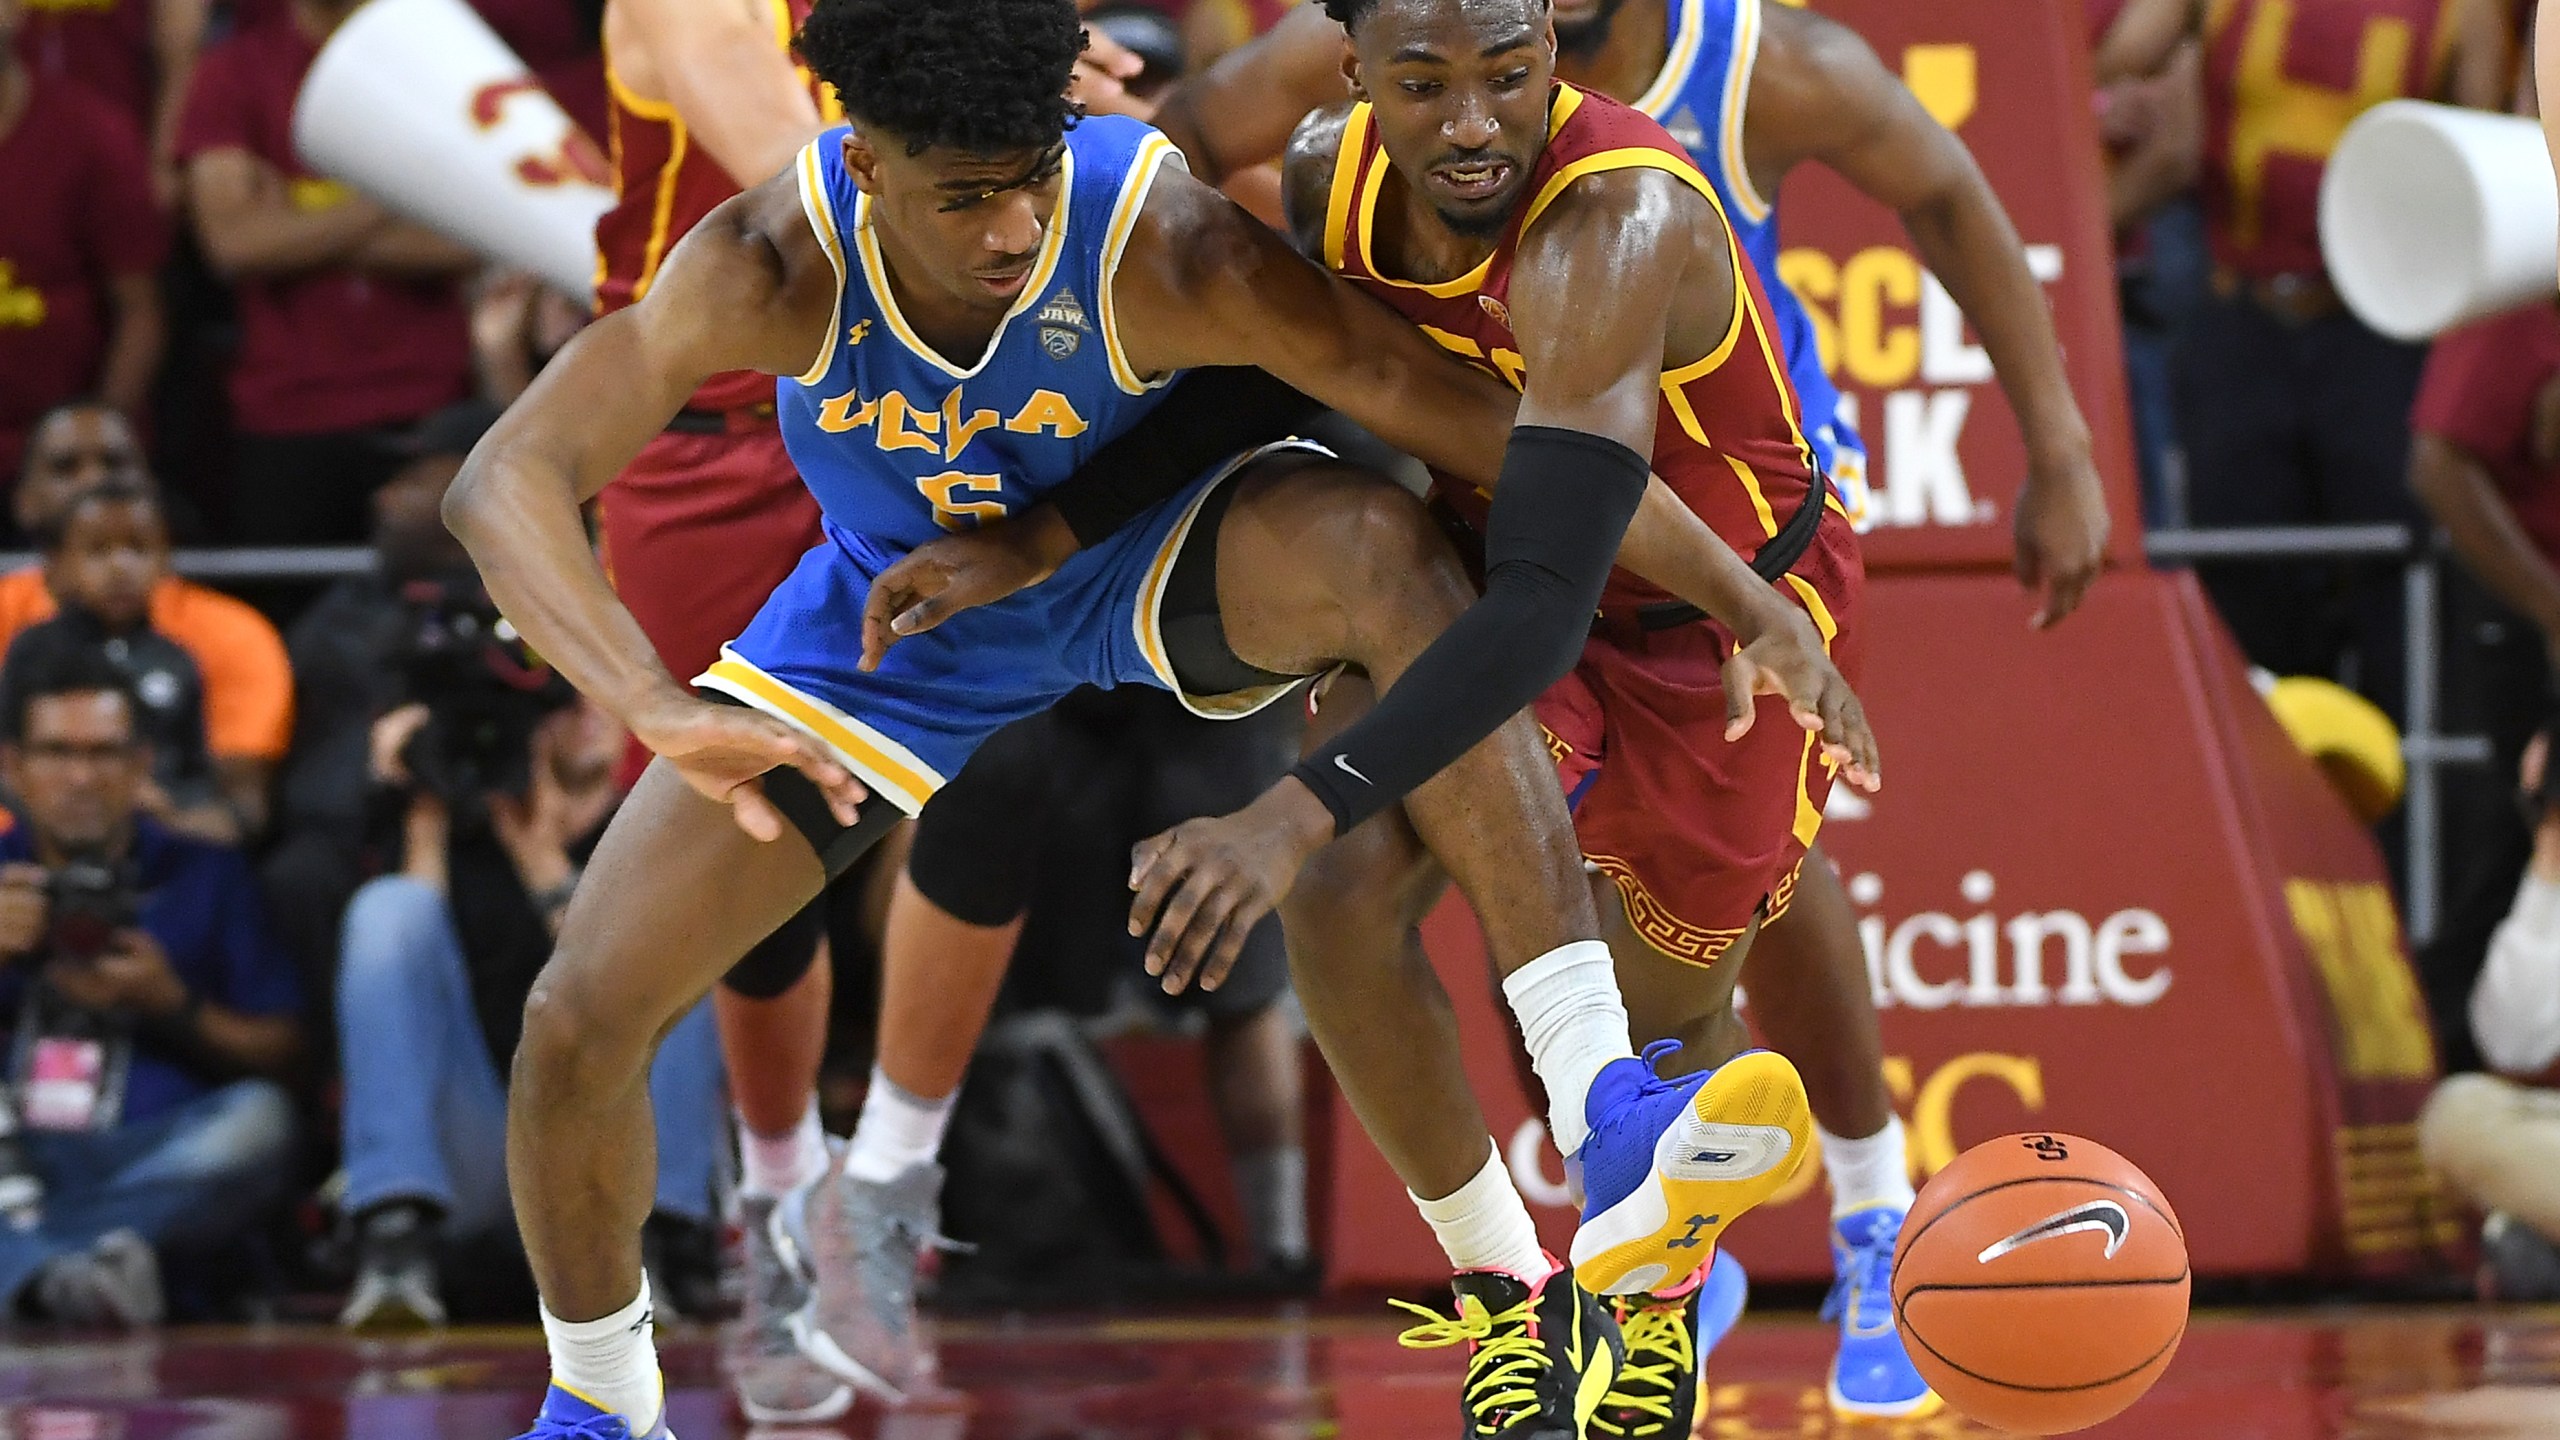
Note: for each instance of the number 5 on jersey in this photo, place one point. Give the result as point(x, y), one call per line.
point(951, 512)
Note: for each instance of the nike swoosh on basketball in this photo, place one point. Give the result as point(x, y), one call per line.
point(1343, 763)
point(2097, 1216)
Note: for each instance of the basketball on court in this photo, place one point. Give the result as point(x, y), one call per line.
point(2042, 1283)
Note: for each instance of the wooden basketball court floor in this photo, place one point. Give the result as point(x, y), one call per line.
point(2446, 1373)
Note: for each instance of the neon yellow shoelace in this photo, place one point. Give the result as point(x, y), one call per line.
point(1661, 1353)
point(1503, 1373)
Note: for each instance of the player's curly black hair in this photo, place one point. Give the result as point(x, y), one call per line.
point(981, 76)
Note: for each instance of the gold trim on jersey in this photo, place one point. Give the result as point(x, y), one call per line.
point(890, 769)
point(1667, 83)
point(1559, 110)
point(1349, 157)
point(821, 210)
point(1737, 100)
point(1135, 186)
point(1146, 619)
point(875, 274)
point(1626, 157)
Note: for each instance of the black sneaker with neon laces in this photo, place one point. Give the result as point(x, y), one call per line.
point(1539, 1360)
point(1656, 1394)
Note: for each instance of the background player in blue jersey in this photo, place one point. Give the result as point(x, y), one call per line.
point(1751, 89)
point(1072, 270)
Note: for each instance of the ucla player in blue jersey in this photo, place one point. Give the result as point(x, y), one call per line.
point(1751, 88)
point(970, 296)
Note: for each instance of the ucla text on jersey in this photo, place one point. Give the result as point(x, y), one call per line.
point(900, 443)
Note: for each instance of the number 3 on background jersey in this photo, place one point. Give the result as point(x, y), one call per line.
point(953, 513)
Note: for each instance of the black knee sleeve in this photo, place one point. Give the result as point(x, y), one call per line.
point(977, 846)
point(779, 960)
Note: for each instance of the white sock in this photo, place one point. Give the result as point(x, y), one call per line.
point(1570, 1013)
point(1867, 1173)
point(897, 1132)
point(1272, 1186)
point(1484, 1225)
point(610, 1363)
point(772, 1166)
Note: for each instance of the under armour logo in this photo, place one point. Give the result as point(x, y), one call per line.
point(855, 336)
point(1697, 1223)
point(1343, 763)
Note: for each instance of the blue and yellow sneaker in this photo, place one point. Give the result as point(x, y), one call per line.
point(1872, 1377)
point(1658, 1395)
point(1539, 1357)
point(1672, 1162)
point(568, 1416)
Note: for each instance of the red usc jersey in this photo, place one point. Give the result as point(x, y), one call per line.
point(2283, 78)
point(1726, 437)
point(663, 184)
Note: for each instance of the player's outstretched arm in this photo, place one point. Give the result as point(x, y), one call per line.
point(1818, 92)
point(746, 289)
point(1240, 111)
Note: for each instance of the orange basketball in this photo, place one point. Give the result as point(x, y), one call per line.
point(2041, 1283)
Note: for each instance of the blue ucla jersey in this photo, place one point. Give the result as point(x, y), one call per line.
point(901, 444)
point(1699, 97)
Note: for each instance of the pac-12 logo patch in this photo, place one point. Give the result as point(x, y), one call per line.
point(1495, 308)
point(1062, 325)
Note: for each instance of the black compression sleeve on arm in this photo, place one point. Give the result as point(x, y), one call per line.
point(1212, 414)
point(1564, 503)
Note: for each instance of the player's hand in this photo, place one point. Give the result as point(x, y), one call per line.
point(1203, 885)
point(1787, 660)
point(1102, 75)
point(723, 751)
point(24, 909)
point(943, 577)
point(2062, 535)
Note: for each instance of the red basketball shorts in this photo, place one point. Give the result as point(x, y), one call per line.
point(1701, 834)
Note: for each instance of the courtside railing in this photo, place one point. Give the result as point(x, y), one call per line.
point(2429, 751)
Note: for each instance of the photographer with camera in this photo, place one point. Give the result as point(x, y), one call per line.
point(503, 778)
point(148, 1014)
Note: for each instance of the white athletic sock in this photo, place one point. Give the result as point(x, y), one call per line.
point(1869, 1172)
point(772, 1166)
point(897, 1132)
point(1272, 1186)
point(1484, 1225)
point(1574, 1022)
point(610, 1363)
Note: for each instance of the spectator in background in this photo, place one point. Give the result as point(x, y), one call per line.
point(2153, 129)
point(352, 322)
point(2496, 1141)
point(134, 54)
point(2292, 412)
point(517, 325)
point(439, 958)
point(342, 683)
point(2486, 466)
point(80, 245)
point(248, 689)
point(151, 1009)
point(102, 555)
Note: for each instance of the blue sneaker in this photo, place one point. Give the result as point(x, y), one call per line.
point(1671, 1163)
point(566, 1416)
point(1871, 1377)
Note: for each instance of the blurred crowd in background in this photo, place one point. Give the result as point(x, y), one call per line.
point(285, 856)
